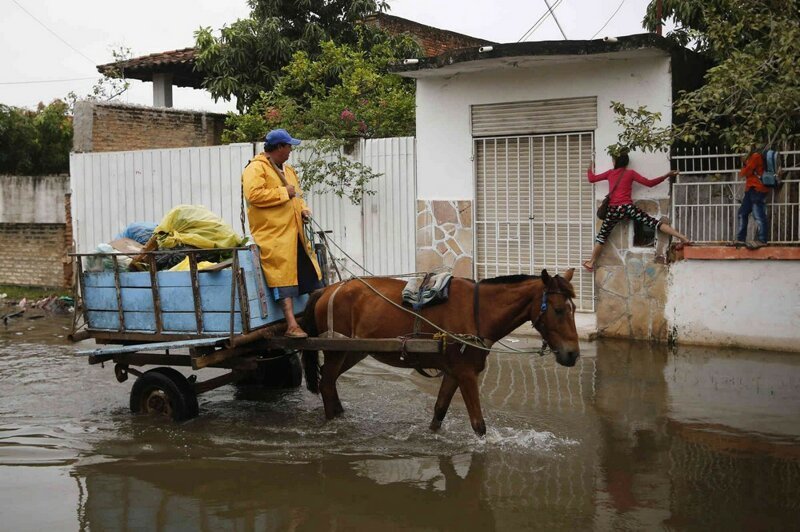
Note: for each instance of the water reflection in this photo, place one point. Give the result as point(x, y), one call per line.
point(221, 494)
point(685, 438)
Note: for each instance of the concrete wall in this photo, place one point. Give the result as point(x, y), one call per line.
point(745, 303)
point(34, 237)
point(32, 199)
point(112, 127)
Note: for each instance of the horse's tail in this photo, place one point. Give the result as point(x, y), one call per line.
point(311, 358)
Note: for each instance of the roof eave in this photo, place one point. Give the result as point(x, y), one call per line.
point(450, 62)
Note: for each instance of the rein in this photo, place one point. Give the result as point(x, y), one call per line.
point(466, 340)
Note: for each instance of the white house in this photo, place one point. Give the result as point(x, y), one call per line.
point(505, 134)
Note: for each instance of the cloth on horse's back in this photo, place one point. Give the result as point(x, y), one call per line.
point(427, 290)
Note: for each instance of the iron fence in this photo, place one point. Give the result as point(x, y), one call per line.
point(707, 194)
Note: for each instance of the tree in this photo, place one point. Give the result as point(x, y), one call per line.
point(344, 93)
point(35, 142)
point(751, 96)
point(248, 55)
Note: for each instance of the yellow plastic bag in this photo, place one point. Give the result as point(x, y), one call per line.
point(183, 266)
point(194, 225)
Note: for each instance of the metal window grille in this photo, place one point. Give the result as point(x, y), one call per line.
point(534, 207)
point(707, 195)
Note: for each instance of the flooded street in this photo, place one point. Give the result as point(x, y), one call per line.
point(633, 437)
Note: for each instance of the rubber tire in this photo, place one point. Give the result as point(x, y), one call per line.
point(187, 389)
point(183, 406)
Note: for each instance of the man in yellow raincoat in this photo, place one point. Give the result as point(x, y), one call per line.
point(277, 212)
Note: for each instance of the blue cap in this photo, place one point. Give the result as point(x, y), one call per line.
point(280, 136)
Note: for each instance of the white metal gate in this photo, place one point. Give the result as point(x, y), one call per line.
point(112, 189)
point(534, 207)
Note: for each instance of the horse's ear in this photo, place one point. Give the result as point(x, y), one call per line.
point(545, 277)
point(568, 274)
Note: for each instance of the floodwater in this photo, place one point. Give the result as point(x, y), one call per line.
point(634, 437)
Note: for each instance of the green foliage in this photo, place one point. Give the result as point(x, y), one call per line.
point(750, 97)
point(344, 93)
point(640, 130)
point(35, 142)
point(247, 56)
point(327, 168)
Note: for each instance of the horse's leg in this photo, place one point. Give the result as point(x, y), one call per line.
point(327, 384)
point(446, 391)
point(468, 383)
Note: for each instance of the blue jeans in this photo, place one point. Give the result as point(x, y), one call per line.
point(757, 203)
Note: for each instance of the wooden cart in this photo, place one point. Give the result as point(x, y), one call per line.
point(219, 318)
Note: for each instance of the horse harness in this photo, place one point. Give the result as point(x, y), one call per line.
point(542, 309)
point(405, 356)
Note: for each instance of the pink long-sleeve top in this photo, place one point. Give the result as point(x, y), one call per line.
point(622, 193)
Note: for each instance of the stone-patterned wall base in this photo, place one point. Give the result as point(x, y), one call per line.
point(630, 299)
point(631, 287)
point(444, 236)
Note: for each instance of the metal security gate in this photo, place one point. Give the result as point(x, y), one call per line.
point(534, 207)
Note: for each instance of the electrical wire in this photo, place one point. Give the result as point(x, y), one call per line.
point(538, 23)
point(94, 63)
point(556, 19)
point(609, 20)
point(32, 82)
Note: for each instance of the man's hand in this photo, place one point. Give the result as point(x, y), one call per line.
point(290, 189)
point(672, 174)
point(306, 214)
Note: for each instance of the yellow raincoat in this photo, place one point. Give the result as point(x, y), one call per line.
point(275, 220)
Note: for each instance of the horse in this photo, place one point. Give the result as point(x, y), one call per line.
point(487, 311)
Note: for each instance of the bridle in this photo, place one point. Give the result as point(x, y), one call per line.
point(535, 323)
point(542, 309)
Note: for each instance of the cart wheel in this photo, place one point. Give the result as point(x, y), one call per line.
point(159, 392)
point(185, 386)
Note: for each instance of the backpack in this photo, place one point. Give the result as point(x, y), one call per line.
point(770, 176)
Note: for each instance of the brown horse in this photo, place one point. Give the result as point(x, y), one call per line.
point(490, 310)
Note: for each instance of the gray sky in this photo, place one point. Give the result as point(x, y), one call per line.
point(59, 40)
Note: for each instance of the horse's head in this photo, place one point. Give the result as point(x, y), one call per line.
point(553, 315)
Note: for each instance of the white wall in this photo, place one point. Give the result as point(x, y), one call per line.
point(444, 141)
point(33, 199)
point(748, 303)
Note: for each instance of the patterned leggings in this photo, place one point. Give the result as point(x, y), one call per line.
point(620, 212)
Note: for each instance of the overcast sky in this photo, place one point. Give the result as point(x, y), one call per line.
point(51, 47)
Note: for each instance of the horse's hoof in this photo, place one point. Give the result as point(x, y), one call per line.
point(435, 425)
point(480, 428)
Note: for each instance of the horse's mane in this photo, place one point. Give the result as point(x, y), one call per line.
point(563, 284)
point(509, 279)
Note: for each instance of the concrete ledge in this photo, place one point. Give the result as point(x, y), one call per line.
point(730, 252)
point(585, 323)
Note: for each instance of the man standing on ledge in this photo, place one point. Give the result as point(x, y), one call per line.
point(277, 212)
